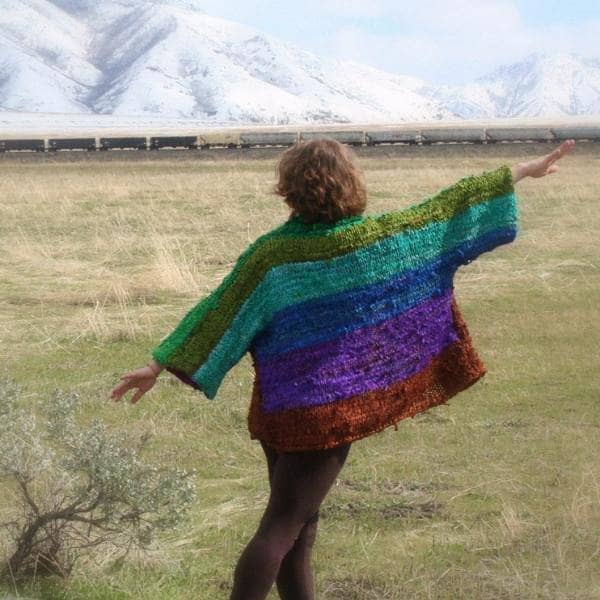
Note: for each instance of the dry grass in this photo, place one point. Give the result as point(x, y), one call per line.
point(495, 495)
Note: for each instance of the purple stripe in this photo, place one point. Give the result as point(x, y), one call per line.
point(365, 359)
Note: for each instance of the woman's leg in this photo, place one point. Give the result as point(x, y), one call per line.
point(295, 578)
point(299, 484)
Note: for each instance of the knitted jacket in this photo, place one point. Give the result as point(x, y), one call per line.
point(351, 326)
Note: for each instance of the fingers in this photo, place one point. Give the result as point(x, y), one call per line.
point(118, 391)
point(568, 145)
point(552, 157)
point(117, 394)
point(565, 147)
point(136, 396)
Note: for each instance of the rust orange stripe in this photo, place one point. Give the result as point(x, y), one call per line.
point(456, 368)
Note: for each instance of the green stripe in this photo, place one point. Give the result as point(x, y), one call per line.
point(211, 317)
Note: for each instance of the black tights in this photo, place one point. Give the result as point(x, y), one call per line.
point(281, 547)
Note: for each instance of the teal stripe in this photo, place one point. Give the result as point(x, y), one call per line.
point(292, 283)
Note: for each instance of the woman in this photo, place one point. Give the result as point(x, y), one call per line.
point(352, 325)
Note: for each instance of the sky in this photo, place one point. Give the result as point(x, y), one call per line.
point(440, 41)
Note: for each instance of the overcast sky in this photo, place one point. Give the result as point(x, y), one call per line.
point(441, 41)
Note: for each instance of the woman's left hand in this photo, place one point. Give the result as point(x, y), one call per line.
point(143, 379)
point(544, 165)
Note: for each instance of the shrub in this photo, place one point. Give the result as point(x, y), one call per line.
point(71, 487)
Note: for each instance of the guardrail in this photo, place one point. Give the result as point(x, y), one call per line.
point(226, 138)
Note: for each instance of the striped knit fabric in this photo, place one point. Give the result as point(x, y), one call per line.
point(351, 326)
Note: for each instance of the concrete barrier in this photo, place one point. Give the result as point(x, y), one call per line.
point(392, 136)
point(219, 139)
point(72, 144)
point(137, 143)
point(589, 132)
point(452, 134)
point(353, 138)
point(518, 134)
point(38, 145)
point(268, 138)
point(474, 132)
point(173, 141)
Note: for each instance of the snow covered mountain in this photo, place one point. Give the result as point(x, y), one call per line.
point(542, 85)
point(168, 58)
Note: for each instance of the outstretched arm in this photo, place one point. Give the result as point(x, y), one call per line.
point(544, 165)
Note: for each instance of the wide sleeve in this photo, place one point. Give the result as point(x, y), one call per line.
point(484, 214)
point(461, 221)
point(194, 350)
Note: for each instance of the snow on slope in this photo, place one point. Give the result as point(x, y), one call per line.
point(169, 58)
point(200, 66)
point(541, 85)
point(42, 58)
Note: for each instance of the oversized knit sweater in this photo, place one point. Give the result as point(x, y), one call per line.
point(351, 326)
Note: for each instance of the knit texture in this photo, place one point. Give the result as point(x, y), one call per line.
point(351, 326)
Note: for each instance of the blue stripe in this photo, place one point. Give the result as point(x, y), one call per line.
point(331, 316)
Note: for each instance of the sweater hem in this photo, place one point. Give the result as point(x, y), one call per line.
point(324, 426)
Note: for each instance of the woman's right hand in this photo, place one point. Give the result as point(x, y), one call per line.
point(544, 165)
point(143, 379)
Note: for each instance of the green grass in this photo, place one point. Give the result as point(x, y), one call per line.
point(494, 495)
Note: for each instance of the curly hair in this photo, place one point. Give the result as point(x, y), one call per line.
point(320, 182)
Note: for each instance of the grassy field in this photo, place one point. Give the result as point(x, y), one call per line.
point(495, 495)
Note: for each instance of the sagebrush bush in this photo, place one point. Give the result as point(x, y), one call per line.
point(71, 486)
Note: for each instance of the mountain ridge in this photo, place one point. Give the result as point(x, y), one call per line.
point(168, 57)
